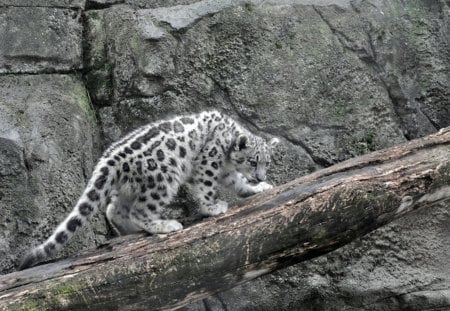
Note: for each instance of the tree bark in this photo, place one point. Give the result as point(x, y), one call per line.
point(291, 223)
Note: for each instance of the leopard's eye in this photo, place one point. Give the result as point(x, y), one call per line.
point(253, 163)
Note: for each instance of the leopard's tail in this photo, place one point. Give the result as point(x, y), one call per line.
point(94, 197)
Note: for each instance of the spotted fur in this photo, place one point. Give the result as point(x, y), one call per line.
point(138, 176)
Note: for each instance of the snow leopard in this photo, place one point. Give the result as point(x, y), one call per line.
point(138, 176)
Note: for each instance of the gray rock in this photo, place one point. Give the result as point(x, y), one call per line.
point(401, 42)
point(245, 73)
point(332, 78)
point(46, 154)
point(39, 40)
point(76, 4)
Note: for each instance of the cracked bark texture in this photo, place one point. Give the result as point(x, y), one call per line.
point(332, 78)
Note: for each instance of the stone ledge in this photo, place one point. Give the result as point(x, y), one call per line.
point(40, 39)
point(74, 4)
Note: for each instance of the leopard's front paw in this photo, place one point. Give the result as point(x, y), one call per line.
point(262, 186)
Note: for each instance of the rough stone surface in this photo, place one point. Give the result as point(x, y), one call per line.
point(39, 40)
point(332, 78)
point(76, 4)
point(46, 154)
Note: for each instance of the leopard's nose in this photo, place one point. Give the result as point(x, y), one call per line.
point(261, 177)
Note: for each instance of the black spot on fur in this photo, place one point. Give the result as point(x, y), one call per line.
point(151, 207)
point(166, 127)
point(181, 138)
point(193, 134)
point(61, 237)
point(187, 120)
point(93, 195)
point(142, 199)
point(213, 152)
point(136, 145)
point(49, 248)
point(160, 155)
point(162, 188)
point(116, 158)
point(85, 209)
point(206, 198)
point(151, 133)
point(164, 168)
point(207, 183)
point(209, 173)
point(204, 162)
point(214, 165)
point(171, 144)
point(152, 165)
point(178, 127)
point(100, 182)
point(155, 196)
point(169, 179)
point(73, 224)
point(139, 167)
point(111, 162)
point(151, 182)
point(104, 170)
point(191, 145)
point(182, 152)
point(159, 177)
point(149, 151)
point(210, 193)
point(123, 155)
point(173, 162)
point(126, 167)
point(128, 150)
point(143, 188)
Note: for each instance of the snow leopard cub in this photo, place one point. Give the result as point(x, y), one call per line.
point(140, 174)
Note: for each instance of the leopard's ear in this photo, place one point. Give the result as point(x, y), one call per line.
point(273, 142)
point(241, 142)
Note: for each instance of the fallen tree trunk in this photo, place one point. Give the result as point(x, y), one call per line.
point(297, 221)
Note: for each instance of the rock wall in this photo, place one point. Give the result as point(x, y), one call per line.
point(332, 79)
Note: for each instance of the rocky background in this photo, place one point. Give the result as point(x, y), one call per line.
point(332, 79)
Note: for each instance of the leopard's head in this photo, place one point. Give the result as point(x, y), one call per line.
point(251, 156)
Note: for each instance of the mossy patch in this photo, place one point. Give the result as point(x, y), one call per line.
point(136, 45)
point(365, 143)
point(83, 100)
point(249, 7)
point(68, 288)
point(441, 177)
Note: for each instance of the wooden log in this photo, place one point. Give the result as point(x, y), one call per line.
point(291, 223)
